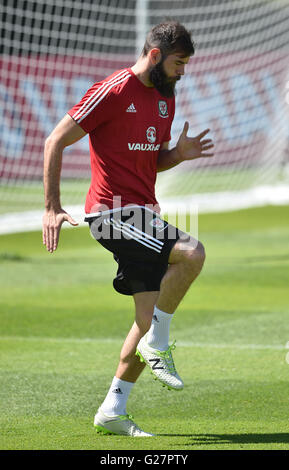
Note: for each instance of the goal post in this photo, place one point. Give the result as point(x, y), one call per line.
point(141, 24)
point(237, 84)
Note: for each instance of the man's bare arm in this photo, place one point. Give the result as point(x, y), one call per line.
point(187, 148)
point(66, 133)
point(168, 158)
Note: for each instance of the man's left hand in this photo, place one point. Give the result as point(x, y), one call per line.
point(190, 148)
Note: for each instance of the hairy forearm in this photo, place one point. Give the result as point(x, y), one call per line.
point(51, 174)
point(168, 159)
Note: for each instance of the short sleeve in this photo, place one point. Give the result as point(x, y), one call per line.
point(100, 102)
point(94, 108)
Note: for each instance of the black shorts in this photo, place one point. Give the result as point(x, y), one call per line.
point(141, 243)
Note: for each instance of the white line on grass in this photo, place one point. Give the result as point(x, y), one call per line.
point(222, 201)
point(184, 344)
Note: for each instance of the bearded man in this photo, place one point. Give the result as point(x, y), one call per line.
point(128, 117)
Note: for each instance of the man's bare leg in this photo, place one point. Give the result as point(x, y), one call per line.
point(129, 367)
point(186, 261)
point(185, 264)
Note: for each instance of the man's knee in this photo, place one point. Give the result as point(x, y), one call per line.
point(191, 252)
point(196, 256)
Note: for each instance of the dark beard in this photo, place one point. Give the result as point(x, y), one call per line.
point(165, 85)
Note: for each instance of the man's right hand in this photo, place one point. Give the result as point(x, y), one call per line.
point(51, 224)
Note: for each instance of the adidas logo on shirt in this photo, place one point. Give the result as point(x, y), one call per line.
point(117, 390)
point(131, 109)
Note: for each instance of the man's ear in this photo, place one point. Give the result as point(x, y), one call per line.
point(155, 56)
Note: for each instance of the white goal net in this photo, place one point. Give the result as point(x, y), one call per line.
point(237, 84)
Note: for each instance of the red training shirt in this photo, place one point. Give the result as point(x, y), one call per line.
point(127, 124)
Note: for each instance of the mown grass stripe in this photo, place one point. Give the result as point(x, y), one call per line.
point(184, 344)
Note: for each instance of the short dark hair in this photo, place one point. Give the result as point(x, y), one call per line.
point(170, 37)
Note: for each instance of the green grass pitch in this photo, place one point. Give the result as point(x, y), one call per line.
point(62, 327)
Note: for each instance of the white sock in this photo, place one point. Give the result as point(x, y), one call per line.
point(159, 332)
point(116, 398)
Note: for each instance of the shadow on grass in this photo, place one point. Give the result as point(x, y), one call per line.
point(209, 439)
